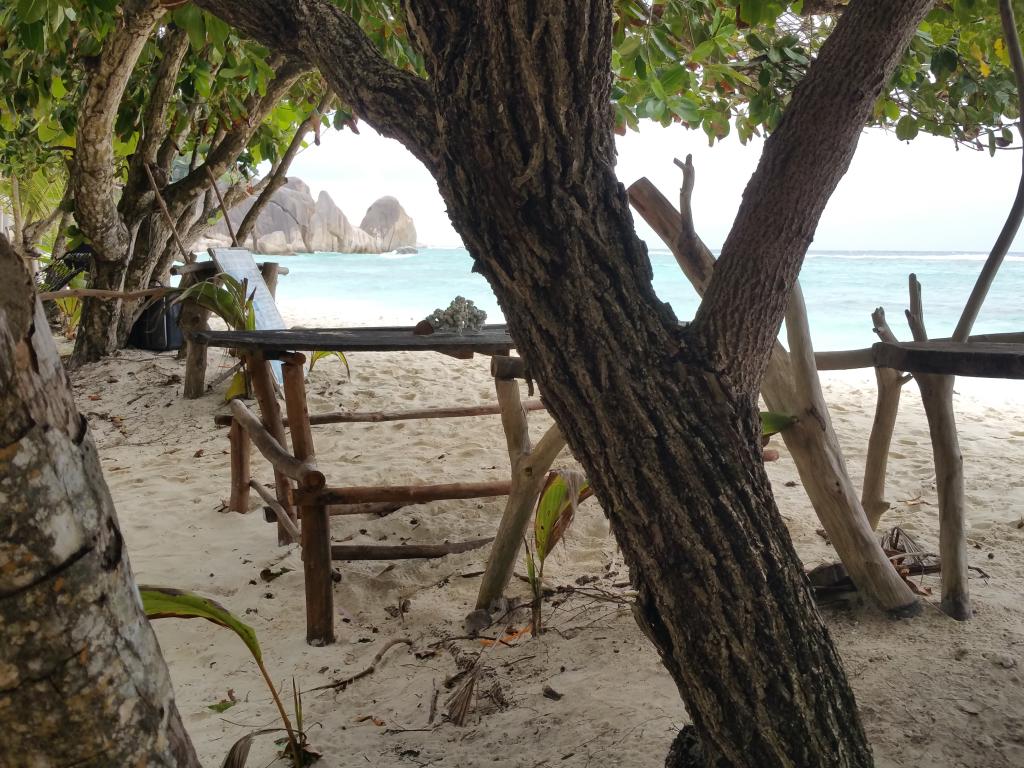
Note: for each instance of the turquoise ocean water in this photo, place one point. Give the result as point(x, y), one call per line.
point(841, 289)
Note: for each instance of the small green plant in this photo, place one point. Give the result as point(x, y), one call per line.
point(167, 602)
point(231, 301)
point(321, 354)
point(773, 422)
point(563, 491)
point(227, 298)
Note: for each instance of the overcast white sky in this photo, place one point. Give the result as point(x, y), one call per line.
point(923, 195)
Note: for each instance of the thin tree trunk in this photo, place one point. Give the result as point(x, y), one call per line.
point(80, 669)
point(890, 387)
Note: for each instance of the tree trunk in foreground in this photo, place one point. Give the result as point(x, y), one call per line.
point(82, 681)
point(791, 385)
point(515, 125)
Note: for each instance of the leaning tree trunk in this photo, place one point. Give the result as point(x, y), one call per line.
point(515, 125)
point(82, 681)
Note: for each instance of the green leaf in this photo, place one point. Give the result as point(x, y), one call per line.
point(556, 508)
point(237, 388)
point(222, 706)
point(773, 422)
point(166, 602)
point(31, 10)
point(57, 88)
point(906, 128)
point(321, 354)
point(703, 50)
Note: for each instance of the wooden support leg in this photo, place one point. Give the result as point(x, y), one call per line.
point(937, 397)
point(193, 318)
point(270, 411)
point(890, 386)
point(240, 477)
point(887, 405)
point(819, 461)
point(269, 271)
point(316, 522)
point(529, 468)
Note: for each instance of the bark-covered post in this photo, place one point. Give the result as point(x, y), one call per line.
point(270, 413)
point(241, 452)
point(81, 673)
point(316, 522)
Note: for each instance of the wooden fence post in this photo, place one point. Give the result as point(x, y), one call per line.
point(241, 448)
point(270, 412)
point(316, 522)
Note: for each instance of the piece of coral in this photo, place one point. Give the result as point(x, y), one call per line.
point(461, 315)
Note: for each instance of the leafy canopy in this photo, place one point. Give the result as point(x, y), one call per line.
point(47, 47)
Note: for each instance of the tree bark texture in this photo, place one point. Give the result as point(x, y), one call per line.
point(82, 681)
point(518, 134)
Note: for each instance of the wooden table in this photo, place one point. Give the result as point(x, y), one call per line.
point(302, 497)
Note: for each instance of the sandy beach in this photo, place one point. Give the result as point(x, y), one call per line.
point(931, 691)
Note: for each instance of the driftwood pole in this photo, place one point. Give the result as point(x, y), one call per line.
point(270, 270)
point(811, 441)
point(316, 523)
point(890, 385)
point(529, 468)
point(937, 398)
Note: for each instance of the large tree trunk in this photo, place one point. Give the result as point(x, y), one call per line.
point(82, 681)
point(515, 125)
point(98, 330)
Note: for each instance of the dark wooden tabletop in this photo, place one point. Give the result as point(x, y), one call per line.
point(491, 340)
point(984, 359)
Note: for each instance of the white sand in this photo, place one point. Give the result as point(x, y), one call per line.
point(932, 691)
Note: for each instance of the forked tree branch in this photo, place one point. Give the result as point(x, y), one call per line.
point(278, 175)
point(1013, 219)
point(224, 152)
point(396, 103)
point(802, 162)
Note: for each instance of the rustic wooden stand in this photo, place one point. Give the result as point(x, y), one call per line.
point(302, 503)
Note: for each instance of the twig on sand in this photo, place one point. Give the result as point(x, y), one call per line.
point(341, 685)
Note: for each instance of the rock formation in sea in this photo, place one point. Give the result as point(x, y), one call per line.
point(292, 222)
point(387, 221)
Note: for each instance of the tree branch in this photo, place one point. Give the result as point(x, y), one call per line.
point(278, 176)
point(224, 153)
point(736, 324)
point(94, 168)
point(1013, 219)
point(397, 104)
point(173, 48)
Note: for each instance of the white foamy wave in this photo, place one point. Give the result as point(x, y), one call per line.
point(393, 256)
point(869, 256)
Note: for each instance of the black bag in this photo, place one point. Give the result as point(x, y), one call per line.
point(157, 328)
